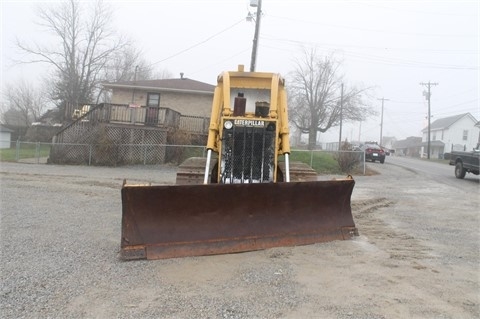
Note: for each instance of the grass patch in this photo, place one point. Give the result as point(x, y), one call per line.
point(29, 150)
point(321, 162)
point(178, 154)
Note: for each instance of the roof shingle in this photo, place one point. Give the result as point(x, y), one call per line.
point(445, 122)
point(182, 84)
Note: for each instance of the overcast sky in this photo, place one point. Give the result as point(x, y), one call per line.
point(390, 45)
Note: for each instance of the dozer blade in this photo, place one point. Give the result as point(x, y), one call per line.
point(193, 220)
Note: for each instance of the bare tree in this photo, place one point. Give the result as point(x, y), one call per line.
point(163, 74)
point(86, 42)
point(124, 65)
point(128, 65)
point(315, 96)
point(24, 104)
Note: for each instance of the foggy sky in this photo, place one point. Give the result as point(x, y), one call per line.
point(392, 46)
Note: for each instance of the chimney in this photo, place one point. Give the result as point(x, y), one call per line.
point(181, 75)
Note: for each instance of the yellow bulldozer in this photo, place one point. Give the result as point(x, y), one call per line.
point(245, 194)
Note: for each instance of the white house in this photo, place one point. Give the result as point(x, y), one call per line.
point(454, 133)
point(5, 137)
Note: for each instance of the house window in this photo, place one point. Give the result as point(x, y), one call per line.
point(434, 136)
point(153, 100)
point(465, 135)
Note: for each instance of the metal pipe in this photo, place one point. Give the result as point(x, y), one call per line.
point(207, 166)
point(287, 168)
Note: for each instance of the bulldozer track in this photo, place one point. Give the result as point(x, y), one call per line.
point(369, 205)
point(395, 242)
point(192, 171)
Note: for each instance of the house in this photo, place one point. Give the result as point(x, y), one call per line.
point(183, 95)
point(142, 118)
point(388, 142)
point(453, 133)
point(5, 137)
point(478, 125)
point(411, 146)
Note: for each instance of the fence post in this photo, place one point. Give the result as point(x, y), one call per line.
point(206, 125)
point(145, 154)
point(364, 165)
point(17, 151)
point(90, 154)
point(37, 152)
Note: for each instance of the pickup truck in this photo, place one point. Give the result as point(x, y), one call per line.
point(466, 162)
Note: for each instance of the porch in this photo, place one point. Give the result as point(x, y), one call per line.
point(105, 126)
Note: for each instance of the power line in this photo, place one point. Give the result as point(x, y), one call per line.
point(419, 12)
point(206, 67)
point(199, 43)
point(396, 123)
point(458, 104)
point(336, 45)
point(382, 60)
point(460, 93)
point(376, 30)
point(408, 63)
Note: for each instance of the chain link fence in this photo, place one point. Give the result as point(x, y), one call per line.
point(324, 162)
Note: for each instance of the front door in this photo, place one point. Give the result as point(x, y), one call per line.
point(153, 104)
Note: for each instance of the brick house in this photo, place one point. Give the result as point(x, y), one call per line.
point(142, 118)
point(411, 146)
point(186, 96)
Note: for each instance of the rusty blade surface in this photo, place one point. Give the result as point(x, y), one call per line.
point(192, 220)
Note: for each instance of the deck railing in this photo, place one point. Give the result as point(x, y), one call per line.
point(143, 116)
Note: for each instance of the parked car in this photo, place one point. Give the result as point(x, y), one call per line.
point(373, 152)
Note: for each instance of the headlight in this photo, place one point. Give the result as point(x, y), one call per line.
point(228, 125)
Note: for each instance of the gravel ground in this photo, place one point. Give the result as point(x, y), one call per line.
point(417, 255)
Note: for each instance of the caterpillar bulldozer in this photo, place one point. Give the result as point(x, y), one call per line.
point(245, 194)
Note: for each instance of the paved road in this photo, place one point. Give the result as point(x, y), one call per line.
point(436, 171)
point(427, 196)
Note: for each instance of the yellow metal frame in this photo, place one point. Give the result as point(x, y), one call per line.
point(221, 107)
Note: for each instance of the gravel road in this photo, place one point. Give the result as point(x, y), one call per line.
point(417, 256)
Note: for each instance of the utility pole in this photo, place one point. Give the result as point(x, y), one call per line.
point(381, 121)
point(341, 119)
point(427, 96)
point(256, 35)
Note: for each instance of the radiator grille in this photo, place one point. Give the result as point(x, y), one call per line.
point(248, 154)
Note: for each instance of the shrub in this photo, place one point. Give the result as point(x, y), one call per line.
point(105, 151)
point(348, 159)
point(178, 152)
